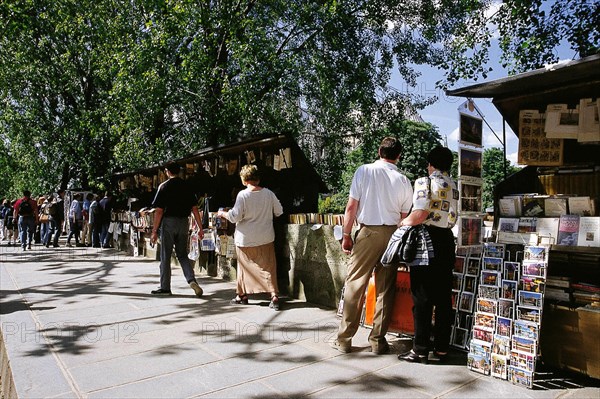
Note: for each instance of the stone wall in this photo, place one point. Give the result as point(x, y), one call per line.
point(315, 264)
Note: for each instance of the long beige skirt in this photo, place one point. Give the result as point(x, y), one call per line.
point(257, 269)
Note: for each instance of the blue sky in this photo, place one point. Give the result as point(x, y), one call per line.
point(444, 114)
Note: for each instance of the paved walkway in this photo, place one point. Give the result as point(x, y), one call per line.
point(80, 323)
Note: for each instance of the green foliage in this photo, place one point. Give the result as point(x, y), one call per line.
point(417, 140)
point(88, 88)
point(493, 172)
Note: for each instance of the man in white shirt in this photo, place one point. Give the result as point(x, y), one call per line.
point(379, 197)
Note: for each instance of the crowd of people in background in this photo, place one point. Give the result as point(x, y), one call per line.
point(44, 219)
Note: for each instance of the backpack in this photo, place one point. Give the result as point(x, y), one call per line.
point(25, 208)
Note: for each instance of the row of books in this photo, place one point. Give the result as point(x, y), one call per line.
point(562, 289)
point(570, 230)
point(317, 218)
point(535, 205)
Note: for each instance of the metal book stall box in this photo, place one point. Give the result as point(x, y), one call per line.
point(546, 227)
point(214, 174)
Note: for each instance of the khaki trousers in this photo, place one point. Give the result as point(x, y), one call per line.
point(369, 245)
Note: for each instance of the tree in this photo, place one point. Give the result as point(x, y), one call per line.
point(493, 173)
point(88, 88)
point(417, 140)
point(52, 92)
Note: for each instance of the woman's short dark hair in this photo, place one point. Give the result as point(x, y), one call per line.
point(440, 158)
point(390, 148)
point(173, 167)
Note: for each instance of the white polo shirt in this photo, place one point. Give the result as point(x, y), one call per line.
point(383, 193)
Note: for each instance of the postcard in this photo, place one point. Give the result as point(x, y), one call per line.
point(483, 335)
point(471, 130)
point(466, 301)
point(501, 345)
point(524, 361)
point(489, 291)
point(493, 264)
point(509, 289)
point(470, 230)
point(469, 163)
point(511, 270)
point(506, 308)
point(529, 314)
point(504, 326)
point(489, 277)
point(534, 284)
point(479, 357)
point(499, 366)
point(520, 377)
point(526, 329)
point(486, 305)
point(522, 344)
point(484, 321)
point(528, 298)
point(534, 269)
point(457, 280)
point(455, 298)
point(469, 283)
point(535, 253)
point(459, 264)
point(493, 250)
point(473, 266)
point(463, 251)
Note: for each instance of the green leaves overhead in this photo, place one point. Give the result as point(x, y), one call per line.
point(91, 87)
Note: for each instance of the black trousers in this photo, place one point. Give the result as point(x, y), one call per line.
point(431, 287)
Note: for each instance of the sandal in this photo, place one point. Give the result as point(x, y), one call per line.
point(274, 303)
point(240, 300)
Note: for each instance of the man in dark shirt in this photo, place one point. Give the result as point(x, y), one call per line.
point(57, 217)
point(173, 203)
point(105, 219)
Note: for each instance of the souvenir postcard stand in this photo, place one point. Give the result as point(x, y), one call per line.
point(507, 313)
point(464, 289)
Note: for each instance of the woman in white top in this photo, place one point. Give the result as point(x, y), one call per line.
point(253, 213)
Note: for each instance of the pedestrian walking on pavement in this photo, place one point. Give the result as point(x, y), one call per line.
point(26, 212)
point(106, 206)
point(75, 219)
point(173, 203)
point(56, 210)
point(379, 197)
point(254, 237)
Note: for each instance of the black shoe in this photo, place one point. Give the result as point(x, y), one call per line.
point(160, 291)
point(412, 357)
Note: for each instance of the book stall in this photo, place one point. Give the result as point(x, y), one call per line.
point(214, 174)
point(530, 295)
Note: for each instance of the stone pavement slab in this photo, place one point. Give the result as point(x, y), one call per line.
point(81, 323)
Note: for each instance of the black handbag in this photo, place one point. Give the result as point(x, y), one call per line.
point(407, 251)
